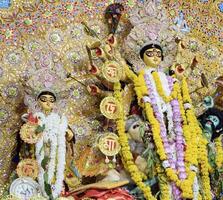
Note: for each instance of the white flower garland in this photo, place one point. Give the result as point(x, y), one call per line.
point(160, 101)
point(54, 133)
point(195, 188)
point(168, 108)
point(166, 89)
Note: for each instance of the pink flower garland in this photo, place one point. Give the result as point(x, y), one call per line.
point(178, 163)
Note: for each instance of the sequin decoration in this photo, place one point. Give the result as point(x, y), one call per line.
point(11, 91)
point(1, 71)
point(13, 58)
point(4, 115)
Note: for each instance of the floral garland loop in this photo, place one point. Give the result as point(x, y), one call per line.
point(125, 150)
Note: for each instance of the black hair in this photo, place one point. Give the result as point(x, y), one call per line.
point(47, 93)
point(150, 46)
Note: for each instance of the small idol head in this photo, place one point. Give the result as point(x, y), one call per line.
point(133, 126)
point(46, 100)
point(212, 122)
point(152, 55)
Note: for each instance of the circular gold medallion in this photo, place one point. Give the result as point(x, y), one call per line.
point(28, 168)
point(112, 71)
point(108, 144)
point(110, 107)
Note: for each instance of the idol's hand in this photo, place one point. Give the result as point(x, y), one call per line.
point(93, 90)
point(69, 135)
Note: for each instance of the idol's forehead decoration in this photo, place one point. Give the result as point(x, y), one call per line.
point(150, 26)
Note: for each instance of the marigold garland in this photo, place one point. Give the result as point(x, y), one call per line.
point(219, 152)
point(185, 185)
point(126, 153)
point(191, 130)
point(202, 155)
point(203, 160)
point(163, 183)
point(159, 87)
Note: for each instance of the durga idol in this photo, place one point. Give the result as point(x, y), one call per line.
point(166, 103)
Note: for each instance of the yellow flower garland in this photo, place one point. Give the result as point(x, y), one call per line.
point(126, 153)
point(159, 87)
point(185, 185)
point(203, 160)
point(163, 183)
point(202, 155)
point(191, 131)
point(219, 152)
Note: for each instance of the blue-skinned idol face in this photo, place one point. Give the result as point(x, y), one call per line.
point(212, 120)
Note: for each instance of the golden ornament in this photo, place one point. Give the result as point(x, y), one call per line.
point(108, 144)
point(110, 107)
point(112, 71)
point(28, 168)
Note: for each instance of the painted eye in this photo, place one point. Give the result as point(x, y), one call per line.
point(135, 126)
point(149, 53)
point(43, 99)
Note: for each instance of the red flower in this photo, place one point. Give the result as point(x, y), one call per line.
point(32, 119)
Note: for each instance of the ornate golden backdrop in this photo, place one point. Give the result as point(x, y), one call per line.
point(42, 33)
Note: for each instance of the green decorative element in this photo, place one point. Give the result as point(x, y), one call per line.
point(76, 93)
point(47, 14)
point(45, 176)
point(12, 91)
point(74, 56)
point(131, 3)
point(69, 7)
point(80, 131)
point(95, 123)
point(34, 46)
point(28, 22)
point(40, 129)
point(47, 186)
point(55, 37)
point(74, 169)
point(172, 12)
point(111, 165)
point(13, 57)
point(45, 162)
point(2, 114)
point(207, 133)
point(193, 46)
point(8, 33)
point(210, 53)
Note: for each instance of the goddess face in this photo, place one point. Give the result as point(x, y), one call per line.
point(46, 101)
point(152, 57)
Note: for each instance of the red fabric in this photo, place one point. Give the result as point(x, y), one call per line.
point(114, 194)
point(135, 110)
